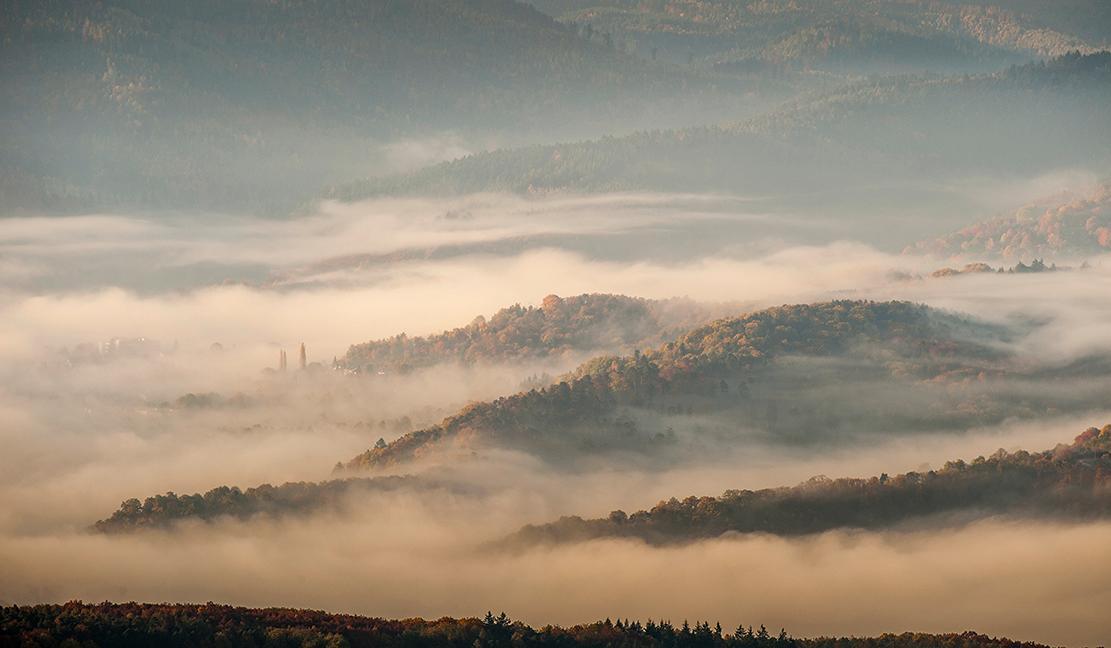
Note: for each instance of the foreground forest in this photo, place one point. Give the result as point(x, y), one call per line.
point(257, 105)
point(200, 626)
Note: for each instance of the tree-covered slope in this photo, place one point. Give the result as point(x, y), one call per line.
point(559, 327)
point(912, 129)
point(212, 104)
point(1067, 481)
point(1076, 226)
point(726, 368)
point(211, 624)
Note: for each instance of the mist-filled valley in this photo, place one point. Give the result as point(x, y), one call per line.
point(663, 324)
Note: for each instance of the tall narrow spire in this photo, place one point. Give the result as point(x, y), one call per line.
point(301, 361)
point(281, 360)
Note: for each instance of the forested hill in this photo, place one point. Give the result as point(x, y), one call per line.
point(211, 624)
point(708, 368)
point(913, 129)
point(856, 36)
point(1075, 226)
point(559, 327)
point(209, 104)
point(1067, 481)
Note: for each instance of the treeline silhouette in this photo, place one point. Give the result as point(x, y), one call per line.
point(1067, 481)
point(863, 36)
point(199, 626)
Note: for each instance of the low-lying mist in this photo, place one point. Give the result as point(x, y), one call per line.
point(199, 404)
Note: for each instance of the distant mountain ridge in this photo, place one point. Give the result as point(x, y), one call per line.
point(211, 105)
point(1024, 120)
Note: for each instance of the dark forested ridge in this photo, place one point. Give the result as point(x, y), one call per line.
point(211, 624)
point(1055, 228)
point(710, 368)
point(1067, 481)
point(559, 327)
point(215, 105)
point(1028, 119)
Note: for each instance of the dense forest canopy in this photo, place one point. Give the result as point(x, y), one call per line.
point(559, 327)
point(1067, 481)
point(211, 624)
